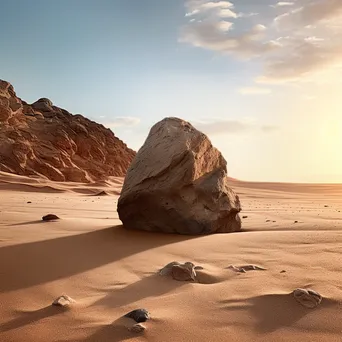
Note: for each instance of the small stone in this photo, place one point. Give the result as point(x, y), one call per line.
point(29, 202)
point(268, 220)
point(137, 328)
point(184, 272)
point(307, 297)
point(244, 217)
point(139, 315)
point(63, 301)
point(50, 217)
point(245, 268)
point(167, 270)
point(326, 206)
point(283, 271)
point(295, 221)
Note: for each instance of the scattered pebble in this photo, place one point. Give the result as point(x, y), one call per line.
point(139, 315)
point(63, 301)
point(29, 202)
point(245, 268)
point(50, 217)
point(295, 221)
point(307, 297)
point(137, 328)
point(326, 206)
point(244, 216)
point(283, 271)
point(268, 220)
point(167, 270)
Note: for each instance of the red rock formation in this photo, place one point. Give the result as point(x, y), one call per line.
point(42, 139)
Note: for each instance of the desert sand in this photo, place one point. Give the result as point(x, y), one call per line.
point(110, 271)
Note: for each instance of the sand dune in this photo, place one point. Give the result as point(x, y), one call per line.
point(110, 271)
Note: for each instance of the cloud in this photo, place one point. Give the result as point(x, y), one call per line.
point(227, 13)
point(254, 91)
point(210, 35)
point(224, 25)
point(219, 126)
point(312, 13)
point(283, 3)
point(294, 45)
point(123, 121)
point(304, 58)
point(196, 7)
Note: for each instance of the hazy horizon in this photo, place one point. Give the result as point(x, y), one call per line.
point(261, 78)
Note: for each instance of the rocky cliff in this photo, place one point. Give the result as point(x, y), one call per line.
point(44, 140)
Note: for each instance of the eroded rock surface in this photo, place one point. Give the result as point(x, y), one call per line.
point(307, 297)
point(177, 183)
point(64, 301)
point(44, 140)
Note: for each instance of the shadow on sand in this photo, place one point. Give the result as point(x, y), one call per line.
point(48, 260)
point(26, 223)
point(275, 311)
point(150, 286)
point(30, 317)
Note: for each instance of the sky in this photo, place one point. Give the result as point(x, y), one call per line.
point(262, 78)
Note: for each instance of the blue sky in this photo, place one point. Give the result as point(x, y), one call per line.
point(261, 78)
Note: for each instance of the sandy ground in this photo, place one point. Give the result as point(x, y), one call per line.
point(110, 271)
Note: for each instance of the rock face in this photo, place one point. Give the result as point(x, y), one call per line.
point(177, 183)
point(44, 140)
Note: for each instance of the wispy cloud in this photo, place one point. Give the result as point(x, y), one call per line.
point(301, 40)
point(197, 7)
point(124, 121)
point(283, 3)
point(219, 126)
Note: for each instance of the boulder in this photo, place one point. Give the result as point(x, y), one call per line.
point(177, 183)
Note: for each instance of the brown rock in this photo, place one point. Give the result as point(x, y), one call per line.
point(50, 217)
point(139, 315)
point(178, 183)
point(184, 272)
point(167, 270)
point(307, 297)
point(63, 301)
point(137, 328)
point(43, 140)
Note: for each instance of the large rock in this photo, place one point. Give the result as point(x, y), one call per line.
point(44, 140)
point(177, 183)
